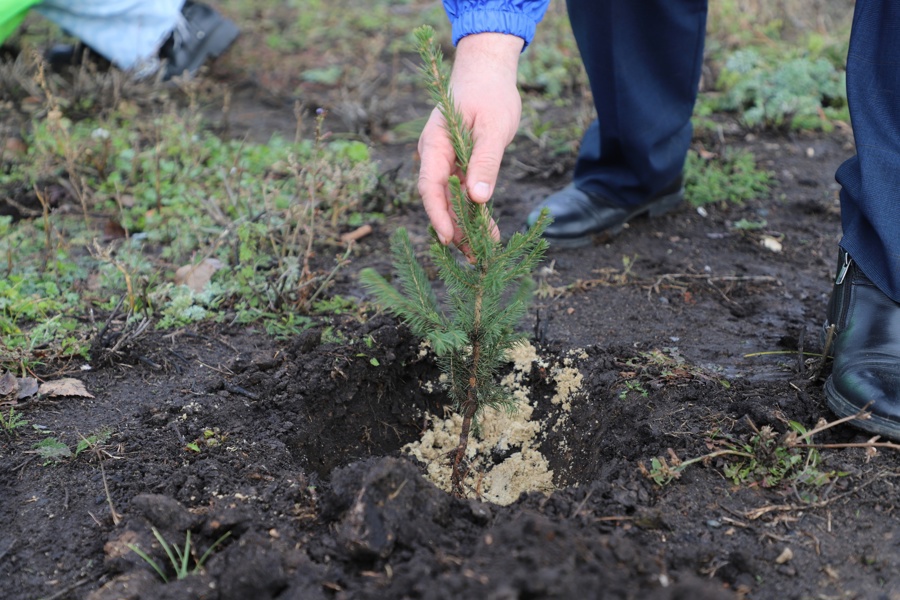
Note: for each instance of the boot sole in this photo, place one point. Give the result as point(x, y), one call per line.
point(657, 208)
point(842, 407)
point(214, 44)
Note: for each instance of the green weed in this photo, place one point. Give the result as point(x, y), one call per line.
point(12, 421)
point(748, 225)
point(263, 211)
point(766, 459)
point(93, 441)
point(51, 450)
point(632, 385)
point(800, 93)
point(179, 558)
point(731, 178)
point(658, 368)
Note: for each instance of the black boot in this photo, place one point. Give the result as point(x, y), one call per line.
point(578, 215)
point(203, 34)
point(866, 350)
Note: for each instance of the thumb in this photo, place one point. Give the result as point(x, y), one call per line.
point(481, 177)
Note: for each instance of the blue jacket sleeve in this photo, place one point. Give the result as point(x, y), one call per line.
point(515, 17)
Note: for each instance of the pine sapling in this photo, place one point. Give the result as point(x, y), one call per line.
point(486, 295)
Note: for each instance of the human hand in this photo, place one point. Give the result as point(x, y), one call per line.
point(483, 83)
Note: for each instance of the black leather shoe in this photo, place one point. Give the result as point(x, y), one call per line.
point(578, 215)
point(203, 34)
point(866, 350)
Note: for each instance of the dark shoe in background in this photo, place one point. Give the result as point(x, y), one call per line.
point(60, 56)
point(579, 216)
point(866, 348)
point(204, 34)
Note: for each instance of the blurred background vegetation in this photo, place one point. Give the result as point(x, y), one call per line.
point(259, 180)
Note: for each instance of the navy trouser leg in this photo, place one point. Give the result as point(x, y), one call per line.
point(870, 194)
point(643, 60)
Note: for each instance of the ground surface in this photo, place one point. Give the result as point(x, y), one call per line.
point(301, 443)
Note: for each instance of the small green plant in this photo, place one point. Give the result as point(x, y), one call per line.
point(179, 558)
point(800, 93)
point(632, 385)
point(732, 178)
point(766, 459)
point(488, 295)
point(52, 450)
point(12, 421)
point(748, 225)
point(93, 441)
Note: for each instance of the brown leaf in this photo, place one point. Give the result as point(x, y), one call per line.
point(16, 146)
point(65, 387)
point(28, 386)
point(112, 230)
point(8, 384)
point(197, 276)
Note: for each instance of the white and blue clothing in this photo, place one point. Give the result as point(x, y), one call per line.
point(128, 33)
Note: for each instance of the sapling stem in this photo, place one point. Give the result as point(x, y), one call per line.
point(487, 294)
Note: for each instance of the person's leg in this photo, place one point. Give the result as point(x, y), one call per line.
point(865, 304)
point(126, 32)
point(643, 61)
point(870, 194)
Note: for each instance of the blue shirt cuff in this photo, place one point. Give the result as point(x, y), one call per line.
point(489, 21)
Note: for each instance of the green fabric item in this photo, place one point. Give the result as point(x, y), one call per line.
point(12, 13)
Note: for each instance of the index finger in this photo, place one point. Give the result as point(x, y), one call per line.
point(438, 160)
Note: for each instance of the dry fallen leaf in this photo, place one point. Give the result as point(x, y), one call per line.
point(65, 387)
point(121, 546)
point(28, 386)
point(112, 230)
point(16, 146)
point(8, 384)
point(197, 276)
point(770, 243)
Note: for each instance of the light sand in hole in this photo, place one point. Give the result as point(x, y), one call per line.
point(525, 470)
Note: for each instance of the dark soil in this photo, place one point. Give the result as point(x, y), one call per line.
point(300, 443)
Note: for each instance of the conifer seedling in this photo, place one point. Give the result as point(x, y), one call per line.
point(486, 295)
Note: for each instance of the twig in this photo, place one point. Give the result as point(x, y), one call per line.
point(776, 352)
point(116, 517)
point(149, 362)
point(65, 591)
point(870, 444)
point(861, 415)
point(582, 503)
point(236, 389)
point(711, 280)
point(829, 338)
point(758, 512)
point(9, 547)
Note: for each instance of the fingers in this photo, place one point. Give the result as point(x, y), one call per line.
point(438, 162)
point(484, 88)
point(484, 166)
